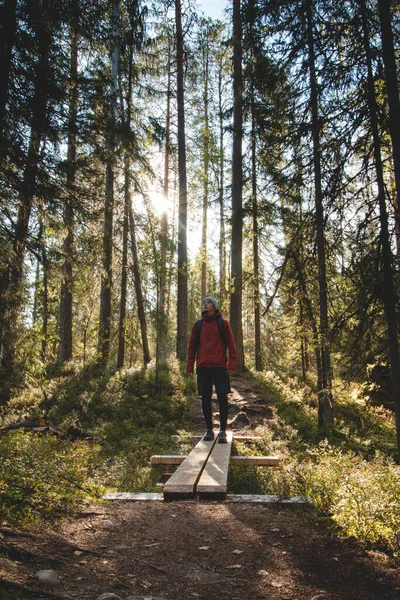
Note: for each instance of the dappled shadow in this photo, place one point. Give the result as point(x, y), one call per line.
point(184, 550)
point(313, 562)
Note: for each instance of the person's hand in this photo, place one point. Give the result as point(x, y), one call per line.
point(231, 371)
point(189, 374)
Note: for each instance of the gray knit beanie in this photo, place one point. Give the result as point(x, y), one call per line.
point(213, 300)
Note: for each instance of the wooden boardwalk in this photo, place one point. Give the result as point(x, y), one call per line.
point(182, 484)
point(203, 473)
point(256, 461)
point(213, 480)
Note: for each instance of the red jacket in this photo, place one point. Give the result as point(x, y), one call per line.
point(211, 350)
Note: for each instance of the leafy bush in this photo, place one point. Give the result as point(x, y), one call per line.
point(43, 477)
point(130, 413)
point(367, 503)
point(348, 472)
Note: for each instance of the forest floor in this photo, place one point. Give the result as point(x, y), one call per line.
point(124, 550)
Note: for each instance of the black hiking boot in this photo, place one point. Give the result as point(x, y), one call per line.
point(208, 436)
point(222, 437)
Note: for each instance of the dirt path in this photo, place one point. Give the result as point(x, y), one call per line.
point(209, 551)
point(247, 409)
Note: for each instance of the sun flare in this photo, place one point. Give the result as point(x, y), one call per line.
point(159, 202)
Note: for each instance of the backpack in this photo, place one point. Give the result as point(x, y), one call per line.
point(220, 328)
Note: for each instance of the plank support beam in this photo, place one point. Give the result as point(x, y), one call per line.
point(259, 461)
point(196, 438)
point(231, 498)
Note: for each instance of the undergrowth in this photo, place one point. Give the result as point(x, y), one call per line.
point(129, 415)
point(349, 472)
point(42, 478)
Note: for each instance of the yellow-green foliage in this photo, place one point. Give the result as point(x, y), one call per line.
point(348, 472)
point(131, 415)
point(363, 497)
point(43, 477)
point(367, 503)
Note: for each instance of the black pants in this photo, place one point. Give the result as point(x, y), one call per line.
point(206, 377)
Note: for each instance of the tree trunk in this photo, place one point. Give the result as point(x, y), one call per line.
point(256, 265)
point(182, 305)
point(124, 269)
point(392, 87)
point(65, 342)
point(173, 233)
point(254, 206)
point(13, 288)
point(8, 20)
point(138, 289)
point(237, 179)
point(325, 401)
point(106, 278)
point(307, 305)
point(222, 248)
point(162, 323)
point(388, 287)
point(206, 160)
point(127, 208)
point(35, 308)
point(305, 360)
point(45, 291)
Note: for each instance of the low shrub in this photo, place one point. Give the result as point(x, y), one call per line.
point(42, 478)
point(348, 472)
point(130, 414)
point(367, 503)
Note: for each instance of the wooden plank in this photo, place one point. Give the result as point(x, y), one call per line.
point(261, 461)
point(258, 499)
point(233, 498)
point(196, 438)
point(182, 484)
point(143, 496)
point(214, 479)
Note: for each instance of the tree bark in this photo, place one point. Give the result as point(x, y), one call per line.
point(127, 208)
point(222, 247)
point(182, 305)
point(237, 182)
point(8, 25)
point(138, 289)
point(389, 296)
point(392, 87)
point(162, 324)
point(256, 263)
point(106, 278)
point(206, 160)
point(13, 288)
point(325, 401)
point(65, 332)
point(124, 268)
point(8, 20)
point(45, 291)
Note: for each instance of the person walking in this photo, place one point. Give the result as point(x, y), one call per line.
point(210, 338)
